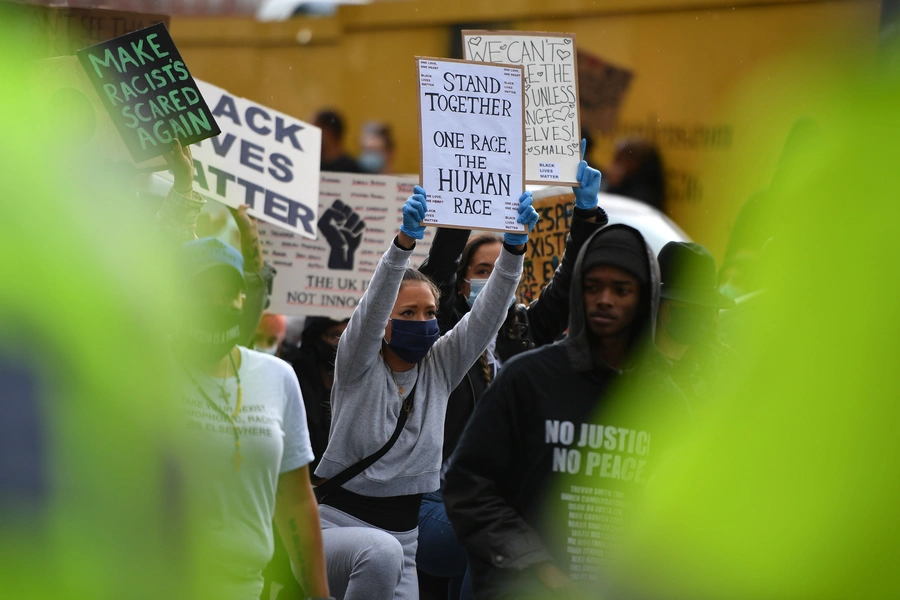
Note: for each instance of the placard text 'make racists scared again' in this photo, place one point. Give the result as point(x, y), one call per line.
point(149, 91)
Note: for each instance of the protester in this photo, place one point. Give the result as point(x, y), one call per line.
point(294, 331)
point(394, 373)
point(270, 334)
point(742, 278)
point(461, 279)
point(253, 458)
point(377, 149)
point(334, 157)
point(686, 330)
point(503, 487)
point(176, 223)
point(637, 172)
point(747, 259)
point(313, 362)
point(248, 451)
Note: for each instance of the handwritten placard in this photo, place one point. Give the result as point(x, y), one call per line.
point(148, 91)
point(63, 30)
point(547, 242)
point(602, 88)
point(471, 143)
point(359, 217)
point(552, 122)
point(263, 158)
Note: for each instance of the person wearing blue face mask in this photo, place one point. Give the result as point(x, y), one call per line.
point(376, 149)
point(462, 266)
point(393, 377)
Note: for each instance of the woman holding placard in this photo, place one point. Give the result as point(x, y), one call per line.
point(393, 376)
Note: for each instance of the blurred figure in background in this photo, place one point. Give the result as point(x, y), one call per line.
point(788, 490)
point(313, 362)
point(376, 149)
point(176, 223)
point(751, 245)
point(637, 172)
point(334, 156)
point(270, 334)
point(686, 331)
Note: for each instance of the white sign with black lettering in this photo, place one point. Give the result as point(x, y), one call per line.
point(471, 141)
point(263, 158)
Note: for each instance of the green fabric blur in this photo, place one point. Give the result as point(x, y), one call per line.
point(96, 506)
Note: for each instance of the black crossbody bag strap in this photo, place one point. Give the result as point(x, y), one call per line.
point(352, 471)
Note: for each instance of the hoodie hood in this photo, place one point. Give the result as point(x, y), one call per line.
point(577, 343)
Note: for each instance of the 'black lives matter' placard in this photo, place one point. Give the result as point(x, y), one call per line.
point(148, 91)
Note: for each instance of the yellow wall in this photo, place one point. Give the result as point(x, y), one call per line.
point(694, 70)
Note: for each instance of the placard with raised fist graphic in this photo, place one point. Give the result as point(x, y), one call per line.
point(359, 216)
point(342, 228)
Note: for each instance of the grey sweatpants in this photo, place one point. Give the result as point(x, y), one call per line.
point(368, 563)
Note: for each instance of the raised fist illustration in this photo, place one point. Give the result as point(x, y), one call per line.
point(343, 229)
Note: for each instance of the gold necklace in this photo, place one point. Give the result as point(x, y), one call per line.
point(400, 391)
point(238, 457)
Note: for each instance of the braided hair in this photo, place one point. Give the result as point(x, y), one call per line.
point(485, 367)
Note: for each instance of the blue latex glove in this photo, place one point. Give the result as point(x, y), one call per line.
point(586, 195)
point(413, 213)
point(527, 216)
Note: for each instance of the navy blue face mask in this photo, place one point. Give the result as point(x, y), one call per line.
point(411, 340)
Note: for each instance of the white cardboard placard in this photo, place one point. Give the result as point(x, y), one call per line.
point(327, 276)
point(471, 143)
point(552, 120)
point(263, 158)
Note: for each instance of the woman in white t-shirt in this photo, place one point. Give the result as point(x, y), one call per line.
point(245, 423)
point(246, 427)
point(247, 430)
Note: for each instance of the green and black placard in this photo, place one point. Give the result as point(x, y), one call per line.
point(148, 91)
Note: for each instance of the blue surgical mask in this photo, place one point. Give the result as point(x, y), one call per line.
point(411, 340)
point(372, 162)
point(475, 287)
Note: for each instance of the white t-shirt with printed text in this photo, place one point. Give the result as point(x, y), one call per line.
point(237, 506)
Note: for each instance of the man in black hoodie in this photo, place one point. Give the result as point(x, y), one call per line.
point(540, 484)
